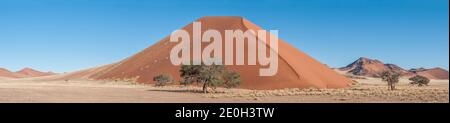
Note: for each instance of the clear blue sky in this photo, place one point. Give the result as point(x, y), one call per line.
point(68, 35)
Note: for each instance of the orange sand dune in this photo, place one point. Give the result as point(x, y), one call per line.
point(6, 73)
point(434, 73)
point(372, 68)
point(24, 73)
point(33, 73)
point(296, 69)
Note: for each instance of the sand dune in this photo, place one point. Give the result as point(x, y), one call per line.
point(373, 68)
point(296, 69)
point(6, 73)
point(29, 72)
point(24, 73)
point(434, 73)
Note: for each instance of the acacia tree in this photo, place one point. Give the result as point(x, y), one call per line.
point(211, 76)
point(232, 79)
point(419, 80)
point(189, 74)
point(391, 78)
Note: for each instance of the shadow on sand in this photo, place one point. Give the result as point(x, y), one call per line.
point(177, 91)
point(181, 90)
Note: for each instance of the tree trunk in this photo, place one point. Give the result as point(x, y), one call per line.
point(205, 88)
point(389, 86)
point(392, 87)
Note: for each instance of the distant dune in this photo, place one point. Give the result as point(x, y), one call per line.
point(33, 73)
point(6, 73)
point(373, 68)
point(24, 73)
point(433, 73)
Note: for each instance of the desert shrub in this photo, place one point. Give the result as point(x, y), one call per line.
point(419, 80)
point(163, 79)
point(391, 78)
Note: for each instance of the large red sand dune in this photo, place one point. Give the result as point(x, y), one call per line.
point(296, 69)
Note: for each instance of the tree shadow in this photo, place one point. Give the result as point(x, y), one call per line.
point(177, 91)
point(185, 90)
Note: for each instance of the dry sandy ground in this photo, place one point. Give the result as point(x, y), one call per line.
point(85, 91)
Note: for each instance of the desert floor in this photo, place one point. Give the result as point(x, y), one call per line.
point(84, 91)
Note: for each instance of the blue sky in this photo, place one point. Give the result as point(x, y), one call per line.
point(68, 35)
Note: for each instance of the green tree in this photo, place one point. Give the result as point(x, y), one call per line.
point(419, 80)
point(162, 79)
point(189, 74)
point(211, 76)
point(232, 79)
point(391, 78)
